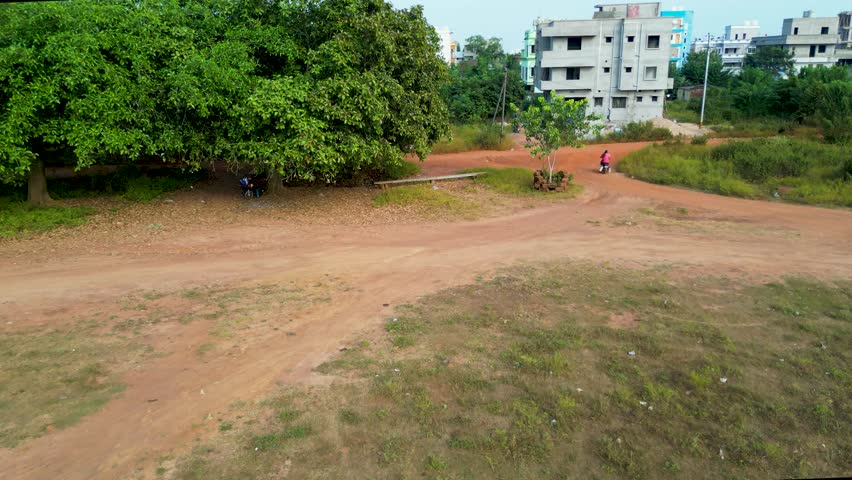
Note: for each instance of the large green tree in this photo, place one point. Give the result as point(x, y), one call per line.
point(303, 89)
point(694, 66)
point(475, 86)
point(773, 60)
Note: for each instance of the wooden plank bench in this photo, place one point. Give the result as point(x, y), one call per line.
point(390, 183)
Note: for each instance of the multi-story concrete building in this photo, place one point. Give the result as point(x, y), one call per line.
point(812, 40)
point(681, 32)
point(733, 46)
point(528, 60)
point(618, 61)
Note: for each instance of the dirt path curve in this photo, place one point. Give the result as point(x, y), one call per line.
point(388, 264)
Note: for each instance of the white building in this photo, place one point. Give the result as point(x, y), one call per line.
point(733, 46)
point(812, 40)
point(618, 61)
point(446, 37)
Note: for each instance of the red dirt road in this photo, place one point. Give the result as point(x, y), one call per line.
point(385, 264)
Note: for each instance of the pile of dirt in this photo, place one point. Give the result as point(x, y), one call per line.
point(685, 129)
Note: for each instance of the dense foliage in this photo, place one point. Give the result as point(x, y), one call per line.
point(820, 95)
point(475, 86)
point(315, 90)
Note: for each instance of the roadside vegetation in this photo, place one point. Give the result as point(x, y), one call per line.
point(791, 169)
point(635, 132)
point(767, 98)
point(564, 369)
point(469, 137)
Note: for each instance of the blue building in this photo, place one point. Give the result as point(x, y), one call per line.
point(681, 33)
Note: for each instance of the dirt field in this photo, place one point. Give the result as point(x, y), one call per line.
point(348, 275)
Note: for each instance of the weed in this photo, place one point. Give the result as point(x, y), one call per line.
point(349, 416)
point(265, 442)
point(205, 348)
point(392, 450)
point(435, 462)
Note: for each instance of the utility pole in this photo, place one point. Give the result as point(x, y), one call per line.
point(501, 99)
point(706, 75)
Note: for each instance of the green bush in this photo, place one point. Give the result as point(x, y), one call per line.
point(465, 138)
point(638, 132)
point(699, 140)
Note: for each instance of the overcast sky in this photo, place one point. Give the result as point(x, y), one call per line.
point(508, 19)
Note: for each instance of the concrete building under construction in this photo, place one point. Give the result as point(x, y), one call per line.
point(618, 60)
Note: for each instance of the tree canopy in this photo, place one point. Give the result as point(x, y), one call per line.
point(695, 64)
point(773, 60)
point(315, 90)
point(475, 85)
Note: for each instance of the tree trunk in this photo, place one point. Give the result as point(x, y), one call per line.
point(275, 184)
point(550, 164)
point(37, 195)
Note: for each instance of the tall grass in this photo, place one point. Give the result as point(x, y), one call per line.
point(465, 138)
point(797, 170)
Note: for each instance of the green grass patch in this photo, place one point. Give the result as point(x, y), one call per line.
point(524, 376)
point(465, 138)
point(791, 169)
point(517, 182)
point(436, 202)
point(50, 379)
point(17, 218)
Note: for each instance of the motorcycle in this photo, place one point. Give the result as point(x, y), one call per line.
point(605, 168)
point(253, 186)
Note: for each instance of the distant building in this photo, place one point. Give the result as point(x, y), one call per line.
point(618, 61)
point(455, 50)
point(812, 40)
point(733, 46)
point(688, 93)
point(528, 60)
point(446, 37)
point(681, 32)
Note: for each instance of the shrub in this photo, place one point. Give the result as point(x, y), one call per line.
point(466, 138)
point(699, 140)
point(638, 132)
